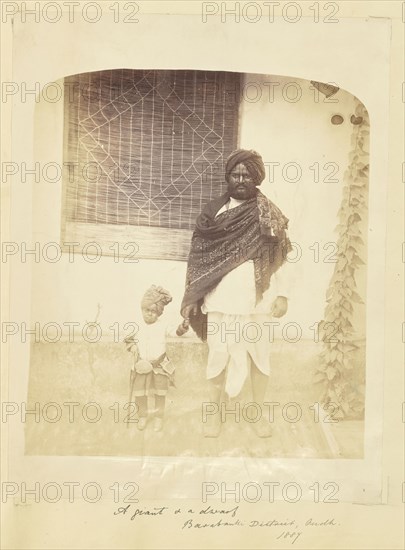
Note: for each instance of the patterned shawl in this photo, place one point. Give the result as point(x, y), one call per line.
point(254, 230)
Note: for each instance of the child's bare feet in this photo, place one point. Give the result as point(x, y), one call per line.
point(158, 424)
point(142, 423)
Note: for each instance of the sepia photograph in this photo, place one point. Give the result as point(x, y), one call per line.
point(204, 267)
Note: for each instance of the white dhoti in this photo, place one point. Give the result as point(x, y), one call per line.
point(233, 340)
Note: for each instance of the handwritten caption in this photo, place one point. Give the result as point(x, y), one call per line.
point(210, 517)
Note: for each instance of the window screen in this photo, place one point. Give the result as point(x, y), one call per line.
point(144, 151)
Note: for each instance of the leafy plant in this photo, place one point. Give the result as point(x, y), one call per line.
point(340, 354)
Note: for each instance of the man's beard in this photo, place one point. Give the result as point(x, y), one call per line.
point(242, 191)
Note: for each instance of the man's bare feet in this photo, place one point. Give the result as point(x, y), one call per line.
point(212, 427)
point(262, 428)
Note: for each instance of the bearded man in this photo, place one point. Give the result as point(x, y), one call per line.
point(239, 243)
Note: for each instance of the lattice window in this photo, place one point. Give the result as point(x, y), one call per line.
point(144, 151)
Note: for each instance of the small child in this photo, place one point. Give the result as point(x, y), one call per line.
point(152, 371)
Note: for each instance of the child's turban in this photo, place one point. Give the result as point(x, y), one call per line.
point(156, 295)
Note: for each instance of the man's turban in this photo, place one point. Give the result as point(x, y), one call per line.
point(156, 295)
point(252, 160)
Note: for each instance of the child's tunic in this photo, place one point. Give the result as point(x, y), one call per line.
point(152, 368)
point(151, 339)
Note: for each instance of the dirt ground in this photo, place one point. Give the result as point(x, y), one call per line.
point(99, 373)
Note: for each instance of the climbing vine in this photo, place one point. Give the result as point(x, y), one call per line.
point(341, 351)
